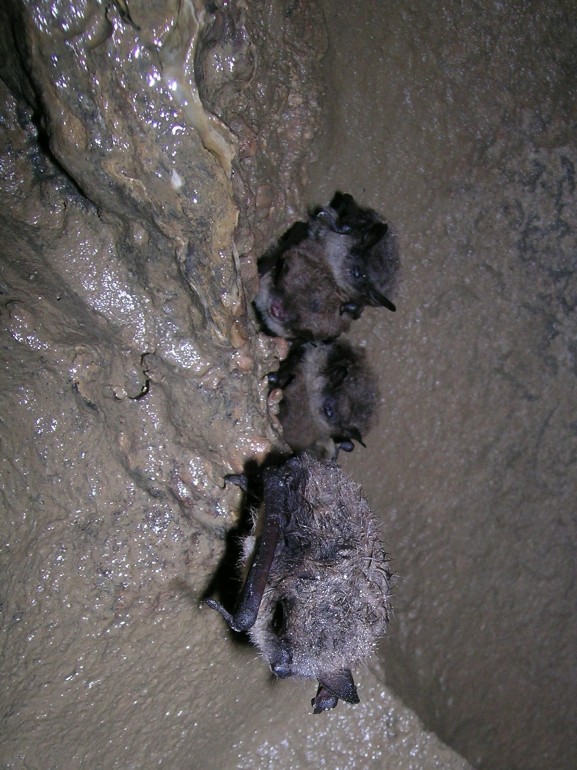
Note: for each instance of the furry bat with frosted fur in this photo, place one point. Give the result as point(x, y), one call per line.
point(330, 394)
point(361, 249)
point(317, 594)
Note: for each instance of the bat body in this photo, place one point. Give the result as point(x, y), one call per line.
point(319, 277)
point(317, 595)
point(299, 298)
point(330, 395)
point(361, 249)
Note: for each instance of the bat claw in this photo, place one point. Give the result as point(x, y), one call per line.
point(214, 605)
point(239, 479)
point(241, 620)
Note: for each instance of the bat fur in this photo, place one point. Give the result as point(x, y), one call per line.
point(361, 250)
point(322, 273)
point(299, 298)
point(317, 596)
point(330, 395)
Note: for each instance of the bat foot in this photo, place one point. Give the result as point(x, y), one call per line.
point(240, 480)
point(324, 700)
point(214, 605)
point(242, 620)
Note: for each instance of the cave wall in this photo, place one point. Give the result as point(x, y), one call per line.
point(149, 151)
point(459, 124)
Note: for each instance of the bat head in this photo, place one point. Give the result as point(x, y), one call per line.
point(330, 395)
point(361, 249)
point(284, 664)
point(372, 267)
point(300, 299)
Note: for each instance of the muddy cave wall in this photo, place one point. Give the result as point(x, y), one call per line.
point(150, 151)
point(148, 157)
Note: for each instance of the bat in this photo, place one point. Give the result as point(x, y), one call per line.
point(322, 273)
point(330, 394)
point(298, 296)
point(317, 595)
point(361, 249)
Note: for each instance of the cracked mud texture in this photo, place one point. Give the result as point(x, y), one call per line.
point(462, 131)
point(149, 153)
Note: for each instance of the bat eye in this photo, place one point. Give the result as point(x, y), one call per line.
point(356, 272)
point(279, 619)
point(329, 408)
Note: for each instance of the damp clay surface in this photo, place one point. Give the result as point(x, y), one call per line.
point(458, 123)
point(149, 152)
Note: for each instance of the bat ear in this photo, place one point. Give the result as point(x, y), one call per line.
point(341, 684)
point(356, 434)
point(374, 234)
point(341, 201)
point(381, 300)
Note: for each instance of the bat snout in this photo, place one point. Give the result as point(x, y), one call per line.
point(281, 664)
point(276, 309)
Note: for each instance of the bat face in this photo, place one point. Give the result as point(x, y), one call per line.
point(330, 395)
point(370, 271)
point(317, 597)
point(361, 250)
point(299, 297)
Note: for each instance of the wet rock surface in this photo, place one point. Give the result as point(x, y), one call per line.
point(149, 151)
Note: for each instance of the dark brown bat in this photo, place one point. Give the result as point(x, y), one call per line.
point(361, 249)
point(323, 272)
point(298, 296)
point(330, 394)
point(317, 595)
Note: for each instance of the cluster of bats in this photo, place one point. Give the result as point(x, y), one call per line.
point(316, 597)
